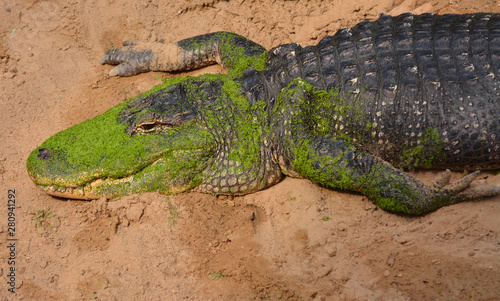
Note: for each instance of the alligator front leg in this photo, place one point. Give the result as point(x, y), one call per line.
point(309, 145)
point(232, 51)
point(336, 164)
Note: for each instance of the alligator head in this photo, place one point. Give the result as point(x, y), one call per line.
point(154, 142)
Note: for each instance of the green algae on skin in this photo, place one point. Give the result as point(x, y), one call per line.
point(100, 155)
point(247, 122)
point(211, 133)
point(174, 172)
point(319, 152)
point(326, 113)
point(244, 129)
point(428, 152)
point(99, 148)
point(234, 51)
point(334, 172)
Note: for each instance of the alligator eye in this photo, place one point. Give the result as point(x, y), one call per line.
point(151, 128)
point(148, 127)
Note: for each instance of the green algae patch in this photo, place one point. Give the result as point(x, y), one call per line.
point(245, 62)
point(323, 113)
point(324, 170)
point(334, 163)
point(79, 154)
point(186, 80)
point(391, 205)
point(248, 124)
point(383, 182)
point(100, 149)
point(236, 52)
point(426, 154)
point(174, 172)
point(333, 170)
point(316, 107)
point(234, 95)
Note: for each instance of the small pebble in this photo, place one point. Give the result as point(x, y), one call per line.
point(43, 264)
point(390, 260)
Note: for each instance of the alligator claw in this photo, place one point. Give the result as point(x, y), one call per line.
point(461, 190)
point(114, 72)
point(442, 180)
point(475, 192)
point(126, 69)
point(133, 58)
point(463, 183)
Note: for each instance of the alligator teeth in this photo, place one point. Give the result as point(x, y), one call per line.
point(55, 188)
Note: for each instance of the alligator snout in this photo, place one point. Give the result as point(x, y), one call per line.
point(43, 154)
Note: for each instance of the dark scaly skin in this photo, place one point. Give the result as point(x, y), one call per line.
point(407, 83)
point(408, 91)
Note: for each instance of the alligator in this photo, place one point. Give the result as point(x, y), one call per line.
point(350, 113)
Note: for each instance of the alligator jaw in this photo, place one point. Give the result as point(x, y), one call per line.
point(66, 192)
point(81, 192)
point(77, 193)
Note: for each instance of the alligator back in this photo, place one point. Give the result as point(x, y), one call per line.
point(421, 83)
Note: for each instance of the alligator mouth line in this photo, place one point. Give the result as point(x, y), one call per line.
point(91, 190)
point(84, 192)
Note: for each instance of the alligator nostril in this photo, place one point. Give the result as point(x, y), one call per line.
point(44, 154)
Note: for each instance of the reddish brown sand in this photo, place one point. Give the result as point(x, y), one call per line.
point(294, 241)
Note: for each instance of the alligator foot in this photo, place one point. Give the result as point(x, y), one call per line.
point(137, 56)
point(462, 190)
point(231, 51)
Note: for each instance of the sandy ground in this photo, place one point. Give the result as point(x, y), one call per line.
point(294, 241)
